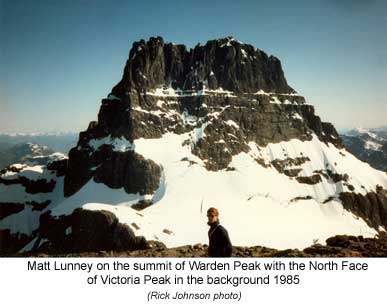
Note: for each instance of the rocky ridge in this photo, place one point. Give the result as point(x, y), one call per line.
point(337, 246)
point(369, 145)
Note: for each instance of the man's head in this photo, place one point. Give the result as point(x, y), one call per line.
point(212, 215)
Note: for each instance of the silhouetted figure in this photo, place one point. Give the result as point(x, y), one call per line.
point(219, 241)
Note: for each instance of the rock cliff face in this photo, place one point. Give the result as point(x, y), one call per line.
point(224, 63)
point(229, 92)
point(372, 207)
point(86, 230)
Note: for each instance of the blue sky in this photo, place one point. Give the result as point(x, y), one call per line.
point(58, 59)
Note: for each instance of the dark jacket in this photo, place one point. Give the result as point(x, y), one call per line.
point(219, 241)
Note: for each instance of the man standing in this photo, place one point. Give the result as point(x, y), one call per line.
point(219, 241)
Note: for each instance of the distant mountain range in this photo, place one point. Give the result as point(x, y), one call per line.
point(20, 153)
point(369, 145)
point(56, 141)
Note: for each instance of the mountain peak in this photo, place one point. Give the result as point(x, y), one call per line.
point(221, 63)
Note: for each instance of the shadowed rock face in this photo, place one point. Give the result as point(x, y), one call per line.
point(32, 186)
point(127, 170)
point(224, 63)
point(372, 207)
point(86, 230)
point(11, 243)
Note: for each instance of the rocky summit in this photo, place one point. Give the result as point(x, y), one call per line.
point(223, 63)
point(184, 130)
point(337, 246)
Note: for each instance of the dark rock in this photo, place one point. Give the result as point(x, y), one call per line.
point(288, 253)
point(11, 243)
point(337, 177)
point(282, 165)
point(38, 186)
point(167, 231)
point(130, 171)
point(340, 241)
point(219, 63)
point(78, 171)
point(318, 250)
point(372, 207)
point(10, 208)
point(325, 131)
point(135, 226)
point(31, 186)
point(156, 245)
point(59, 166)
point(36, 206)
point(292, 172)
point(198, 246)
point(309, 180)
point(142, 204)
point(301, 198)
point(330, 198)
point(85, 231)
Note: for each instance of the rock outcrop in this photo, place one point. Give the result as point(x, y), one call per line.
point(224, 63)
point(372, 207)
point(337, 246)
point(85, 231)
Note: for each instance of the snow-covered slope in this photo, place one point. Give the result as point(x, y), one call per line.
point(257, 204)
point(27, 190)
point(178, 135)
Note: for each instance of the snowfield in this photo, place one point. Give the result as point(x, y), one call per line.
point(255, 202)
point(258, 205)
